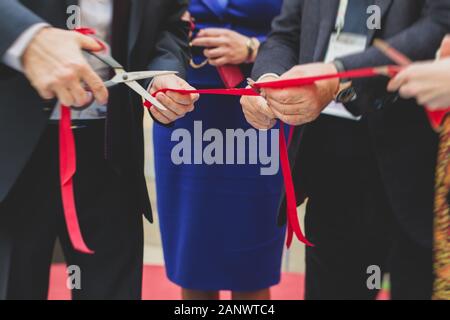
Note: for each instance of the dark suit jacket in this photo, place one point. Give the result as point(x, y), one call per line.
point(158, 40)
point(405, 144)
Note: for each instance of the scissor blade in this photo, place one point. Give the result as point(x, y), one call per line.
point(141, 75)
point(122, 77)
point(145, 95)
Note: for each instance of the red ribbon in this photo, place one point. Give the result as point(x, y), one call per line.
point(67, 150)
point(68, 168)
point(437, 117)
point(293, 224)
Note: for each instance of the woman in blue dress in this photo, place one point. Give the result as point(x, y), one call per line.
point(218, 221)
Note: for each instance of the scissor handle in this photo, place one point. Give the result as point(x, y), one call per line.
point(106, 59)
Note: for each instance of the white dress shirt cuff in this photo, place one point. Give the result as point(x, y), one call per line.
point(267, 75)
point(13, 56)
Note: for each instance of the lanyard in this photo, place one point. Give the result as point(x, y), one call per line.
point(340, 20)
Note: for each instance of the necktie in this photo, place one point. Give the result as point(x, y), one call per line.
point(120, 28)
point(119, 50)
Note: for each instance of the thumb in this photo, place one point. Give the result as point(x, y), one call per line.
point(194, 96)
point(89, 43)
point(445, 47)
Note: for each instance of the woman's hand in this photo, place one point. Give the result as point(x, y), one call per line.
point(225, 46)
point(178, 105)
point(428, 82)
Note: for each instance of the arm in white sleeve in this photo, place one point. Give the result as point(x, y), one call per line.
point(13, 56)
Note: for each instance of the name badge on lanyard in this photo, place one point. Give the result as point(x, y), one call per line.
point(343, 44)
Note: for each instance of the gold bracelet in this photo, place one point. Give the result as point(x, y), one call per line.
point(252, 44)
point(198, 65)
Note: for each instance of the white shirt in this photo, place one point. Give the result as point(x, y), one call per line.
point(96, 14)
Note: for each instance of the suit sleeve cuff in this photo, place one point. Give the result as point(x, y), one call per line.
point(13, 56)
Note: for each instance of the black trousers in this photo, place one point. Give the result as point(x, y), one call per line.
point(31, 219)
point(350, 221)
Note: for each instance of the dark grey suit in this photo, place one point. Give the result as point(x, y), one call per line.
point(111, 193)
point(356, 174)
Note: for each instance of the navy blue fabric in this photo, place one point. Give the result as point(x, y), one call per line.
point(356, 16)
point(249, 17)
point(218, 223)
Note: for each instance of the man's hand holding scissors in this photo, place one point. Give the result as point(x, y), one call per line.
point(54, 64)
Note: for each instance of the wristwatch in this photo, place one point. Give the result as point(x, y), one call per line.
point(252, 49)
point(346, 93)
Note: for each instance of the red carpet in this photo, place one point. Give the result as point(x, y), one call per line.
point(157, 287)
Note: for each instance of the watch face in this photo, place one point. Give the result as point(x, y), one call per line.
point(346, 95)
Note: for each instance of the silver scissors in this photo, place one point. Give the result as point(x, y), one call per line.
point(130, 78)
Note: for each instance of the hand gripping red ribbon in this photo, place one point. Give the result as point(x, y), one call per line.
point(68, 150)
point(293, 224)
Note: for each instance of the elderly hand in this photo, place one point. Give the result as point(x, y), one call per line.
point(224, 46)
point(300, 105)
point(257, 112)
point(178, 105)
point(54, 64)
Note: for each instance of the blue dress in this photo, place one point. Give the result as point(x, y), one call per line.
point(218, 222)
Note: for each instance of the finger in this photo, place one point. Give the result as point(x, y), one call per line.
point(195, 97)
point(212, 32)
point(290, 95)
point(254, 109)
point(395, 84)
point(293, 120)
point(43, 86)
point(88, 43)
point(435, 104)
point(219, 61)
point(445, 47)
point(159, 116)
point(45, 94)
point(95, 84)
point(182, 99)
point(65, 97)
point(215, 52)
point(208, 42)
point(174, 110)
point(430, 98)
point(285, 109)
point(409, 90)
point(262, 107)
point(81, 96)
point(256, 122)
